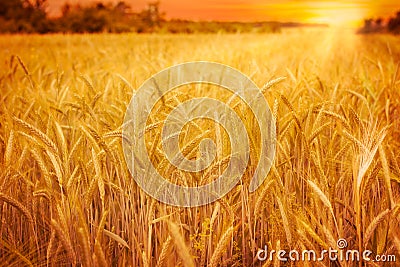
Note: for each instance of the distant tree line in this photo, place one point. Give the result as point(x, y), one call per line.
point(23, 16)
point(379, 25)
point(29, 16)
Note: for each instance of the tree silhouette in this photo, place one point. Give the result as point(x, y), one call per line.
point(379, 22)
point(122, 7)
point(152, 16)
point(28, 16)
point(23, 16)
point(378, 25)
point(394, 24)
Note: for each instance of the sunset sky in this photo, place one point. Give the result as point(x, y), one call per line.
point(333, 12)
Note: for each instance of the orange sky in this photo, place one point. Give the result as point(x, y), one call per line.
point(333, 12)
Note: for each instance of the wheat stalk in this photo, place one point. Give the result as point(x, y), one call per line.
point(65, 241)
point(50, 247)
point(386, 171)
point(180, 244)
point(9, 148)
point(166, 247)
point(324, 200)
point(221, 246)
point(371, 227)
point(261, 197)
point(84, 243)
point(39, 134)
point(16, 204)
point(285, 221)
point(99, 254)
point(271, 83)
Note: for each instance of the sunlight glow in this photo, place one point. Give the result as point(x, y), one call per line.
point(351, 17)
point(335, 13)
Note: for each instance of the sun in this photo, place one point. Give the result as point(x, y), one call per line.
point(350, 16)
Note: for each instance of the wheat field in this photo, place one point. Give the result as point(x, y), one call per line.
point(67, 197)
